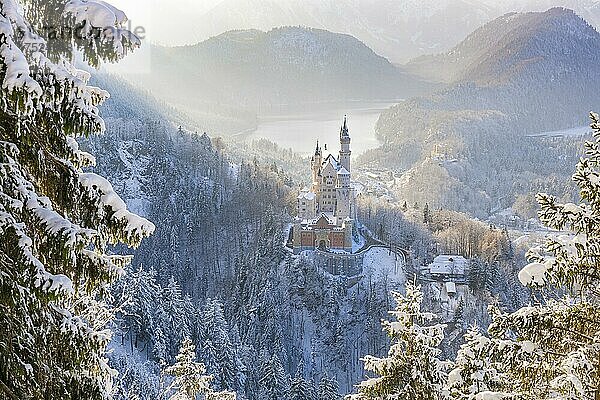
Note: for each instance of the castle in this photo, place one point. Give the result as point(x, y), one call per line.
point(327, 210)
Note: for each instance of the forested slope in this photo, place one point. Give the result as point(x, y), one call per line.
point(216, 268)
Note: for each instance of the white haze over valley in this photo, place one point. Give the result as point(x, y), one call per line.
point(300, 131)
point(299, 199)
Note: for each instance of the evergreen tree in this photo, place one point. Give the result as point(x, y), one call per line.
point(173, 316)
point(328, 389)
point(159, 345)
point(460, 309)
point(426, 214)
point(273, 381)
point(404, 206)
point(217, 350)
point(478, 275)
point(473, 372)
point(300, 388)
point(190, 379)
point(549, 349)
point(412, 370)
point(56, 221)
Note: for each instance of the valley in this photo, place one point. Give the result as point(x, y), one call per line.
point(304, 200)
point(448, 165)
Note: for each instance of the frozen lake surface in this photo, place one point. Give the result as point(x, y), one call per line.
point(299, 131)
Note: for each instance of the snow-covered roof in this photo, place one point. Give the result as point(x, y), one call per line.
point(446, 258)
point(307, 196)
point(331, 219)
point(343, 171)
point(448, 265)
point(450, 288)
point(332, 160)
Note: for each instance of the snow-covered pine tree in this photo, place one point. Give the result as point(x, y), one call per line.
point(478, 275)
point(411, 370)
point(55, 220)
point(171, 300)
point(473, 372)
point(300, 387)
point(217, 350)
point(458, 314)
point(273, 381)
point(561, 335)
point(426, 214)
point(328, 389)
point(190, 379)
point(137, 296)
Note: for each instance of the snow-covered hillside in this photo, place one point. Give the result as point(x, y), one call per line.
point(219, 235)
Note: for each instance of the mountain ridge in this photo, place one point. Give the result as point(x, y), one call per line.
point(505, 37)
point(400, 31)
point(260, 71)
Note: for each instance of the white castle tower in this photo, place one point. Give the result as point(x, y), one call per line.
point(345, 146)
point(343, 191)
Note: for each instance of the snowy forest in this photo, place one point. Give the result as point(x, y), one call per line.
point(147, 220)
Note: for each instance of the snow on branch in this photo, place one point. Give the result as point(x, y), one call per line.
point(99, 14)
point(135, 226)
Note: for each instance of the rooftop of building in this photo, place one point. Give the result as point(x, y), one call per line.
point(307, 195)
point(448, 264)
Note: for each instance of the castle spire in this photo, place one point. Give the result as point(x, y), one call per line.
point(344, 130)
point(345, 145)
point(317, 149)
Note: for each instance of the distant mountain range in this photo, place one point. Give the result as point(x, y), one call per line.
point(255, 70)
point(515, 77)
point(397, 29)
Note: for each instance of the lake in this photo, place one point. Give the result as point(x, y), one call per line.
point(300, 130)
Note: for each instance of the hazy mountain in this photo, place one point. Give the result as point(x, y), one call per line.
point(541, 69)
point(556, 42)
point(516, 77)
point(398, 30)
point(587, 9)
point(257, 70)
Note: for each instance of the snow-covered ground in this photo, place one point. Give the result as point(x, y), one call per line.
point(379, 262)
point(133, 177)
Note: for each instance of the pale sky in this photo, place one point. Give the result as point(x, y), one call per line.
point(165, 21)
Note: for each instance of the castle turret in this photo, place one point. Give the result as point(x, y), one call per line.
point(315, 163)
point(343, 193)
point(345, 152)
